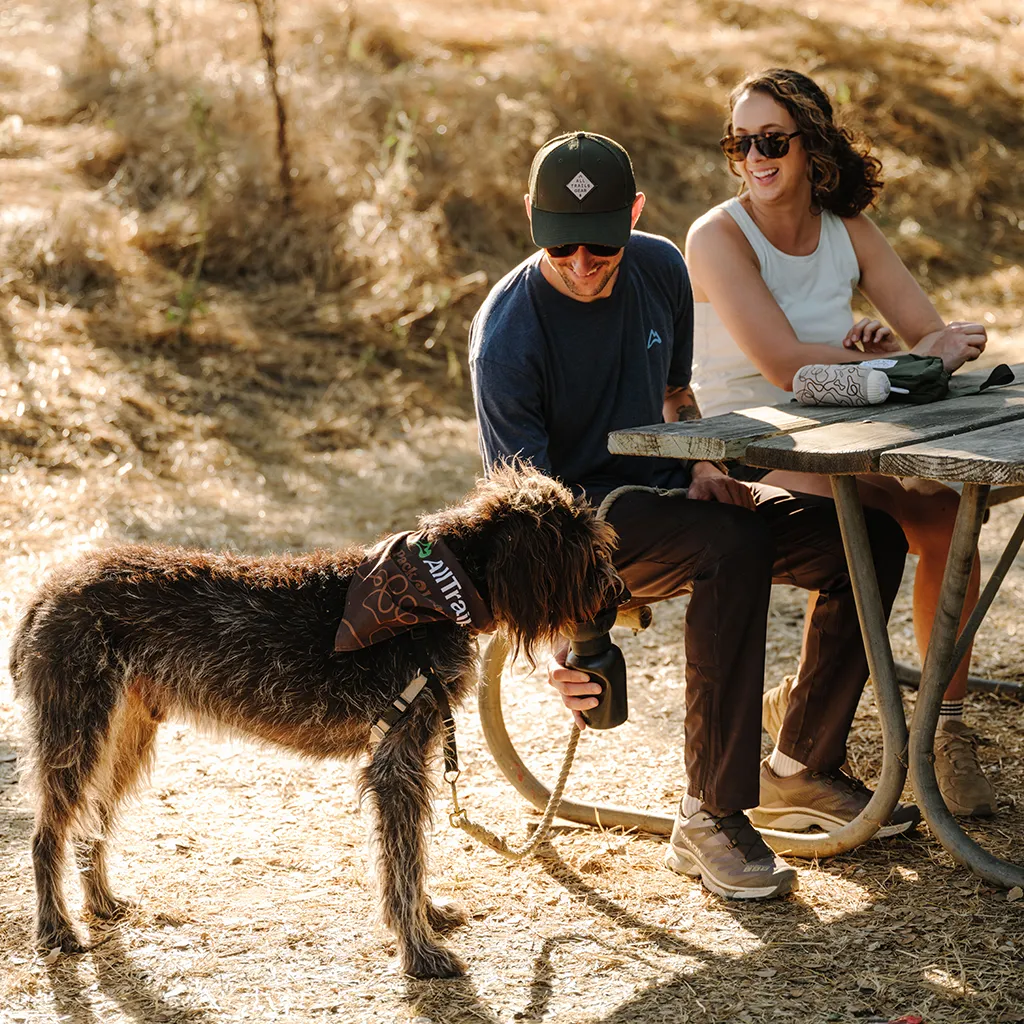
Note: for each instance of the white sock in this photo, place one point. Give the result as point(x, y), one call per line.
point(689, 806)
point(951, 711)
point(783, 765)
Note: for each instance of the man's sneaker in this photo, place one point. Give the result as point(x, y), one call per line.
point(729, 855)
point(962, 783)
point(812, 799)
point(773, 707)
point(840, 384)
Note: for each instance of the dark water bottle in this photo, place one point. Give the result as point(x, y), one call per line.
point(592, 651)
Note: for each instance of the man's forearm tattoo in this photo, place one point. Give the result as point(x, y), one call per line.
point(686, 404)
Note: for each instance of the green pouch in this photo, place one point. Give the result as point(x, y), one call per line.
point(914, 379)
point(921, 379)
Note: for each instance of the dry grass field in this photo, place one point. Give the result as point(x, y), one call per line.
point(197, 348)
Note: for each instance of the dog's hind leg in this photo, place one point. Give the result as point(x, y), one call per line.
point(70, 704)
point(49, 841)
point(65, 759)
point(128, 755)
point(397, 780)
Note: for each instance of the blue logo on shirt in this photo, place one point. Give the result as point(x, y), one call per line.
point(654, 338)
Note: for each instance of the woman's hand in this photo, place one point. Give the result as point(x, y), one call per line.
point(955, 344)
point(576, 687)
point(871, 337)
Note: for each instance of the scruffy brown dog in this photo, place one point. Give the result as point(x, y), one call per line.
point(120, 640)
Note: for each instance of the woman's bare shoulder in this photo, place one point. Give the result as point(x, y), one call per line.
point(715, 230)
point(712, 223)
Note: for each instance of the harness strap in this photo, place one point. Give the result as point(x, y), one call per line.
point(399, 706)
point(427, 677)
point(451, 750)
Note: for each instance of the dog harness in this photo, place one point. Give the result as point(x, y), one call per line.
point(427, 677)
point(405, 581)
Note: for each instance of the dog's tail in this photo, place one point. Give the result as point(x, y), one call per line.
point(19, 645)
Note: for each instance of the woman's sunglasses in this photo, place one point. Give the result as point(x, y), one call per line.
point(772, 145)
point(560, 252)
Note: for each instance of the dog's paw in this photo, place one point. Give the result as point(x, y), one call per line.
point(445, 915)
point(111, 908)
point(62, 937)
point(433, 962)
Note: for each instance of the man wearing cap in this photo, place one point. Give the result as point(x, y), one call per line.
point(593, 333)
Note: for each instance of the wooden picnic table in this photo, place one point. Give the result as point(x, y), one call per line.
point(975, 440)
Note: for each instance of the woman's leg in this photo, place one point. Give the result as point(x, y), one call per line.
point(926, 511)
point(927, 514)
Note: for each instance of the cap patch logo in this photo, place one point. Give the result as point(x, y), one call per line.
point(580, 186)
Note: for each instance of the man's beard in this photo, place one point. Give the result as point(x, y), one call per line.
point(600, 281)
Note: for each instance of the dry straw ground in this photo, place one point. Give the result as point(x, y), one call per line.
point(307, 388)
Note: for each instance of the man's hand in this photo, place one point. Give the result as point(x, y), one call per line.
point(872, 337)
point(709, 483)
point(573, 685)
point(957, 343)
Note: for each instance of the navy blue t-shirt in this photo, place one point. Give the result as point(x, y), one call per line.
point(553, 376)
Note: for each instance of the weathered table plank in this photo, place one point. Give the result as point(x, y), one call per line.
point(727, 437)
point(994, 455)
point(722, 437)
point(842, 448)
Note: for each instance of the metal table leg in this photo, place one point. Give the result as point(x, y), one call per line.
point(944, 652)
point(875, 631)
point(872, 617)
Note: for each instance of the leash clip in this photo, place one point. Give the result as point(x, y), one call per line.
point(458, 815)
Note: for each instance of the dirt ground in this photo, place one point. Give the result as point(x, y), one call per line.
point(209, 339)
point(251, 867)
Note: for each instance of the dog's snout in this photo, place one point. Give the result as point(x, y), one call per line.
point(612, 590)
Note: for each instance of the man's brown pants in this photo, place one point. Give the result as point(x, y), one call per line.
point(729, 557)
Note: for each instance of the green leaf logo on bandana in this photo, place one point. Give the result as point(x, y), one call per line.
point(424, 548)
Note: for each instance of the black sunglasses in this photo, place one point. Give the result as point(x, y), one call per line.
point(772, 145)
point(560, 252)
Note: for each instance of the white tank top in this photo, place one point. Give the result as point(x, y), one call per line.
point(815, 292)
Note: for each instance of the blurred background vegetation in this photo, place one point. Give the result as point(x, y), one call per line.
point(269, 223)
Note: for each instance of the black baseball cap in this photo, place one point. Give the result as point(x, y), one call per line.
point(581, 190)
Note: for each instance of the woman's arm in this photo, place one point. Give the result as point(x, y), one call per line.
point(892, 290)
point(724, 271)
point(888, 285)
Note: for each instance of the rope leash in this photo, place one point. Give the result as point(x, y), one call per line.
point(428, 679)
point(459, 819)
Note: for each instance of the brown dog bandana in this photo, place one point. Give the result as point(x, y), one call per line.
point(408, 580)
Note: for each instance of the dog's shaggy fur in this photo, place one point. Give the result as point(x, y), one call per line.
point(119, 640)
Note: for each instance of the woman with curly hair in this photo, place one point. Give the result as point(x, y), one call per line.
point(773, 272)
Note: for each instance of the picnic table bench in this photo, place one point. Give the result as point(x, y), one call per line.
point(976, 440)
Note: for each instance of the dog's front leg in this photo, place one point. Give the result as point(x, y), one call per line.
point(397, 780)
